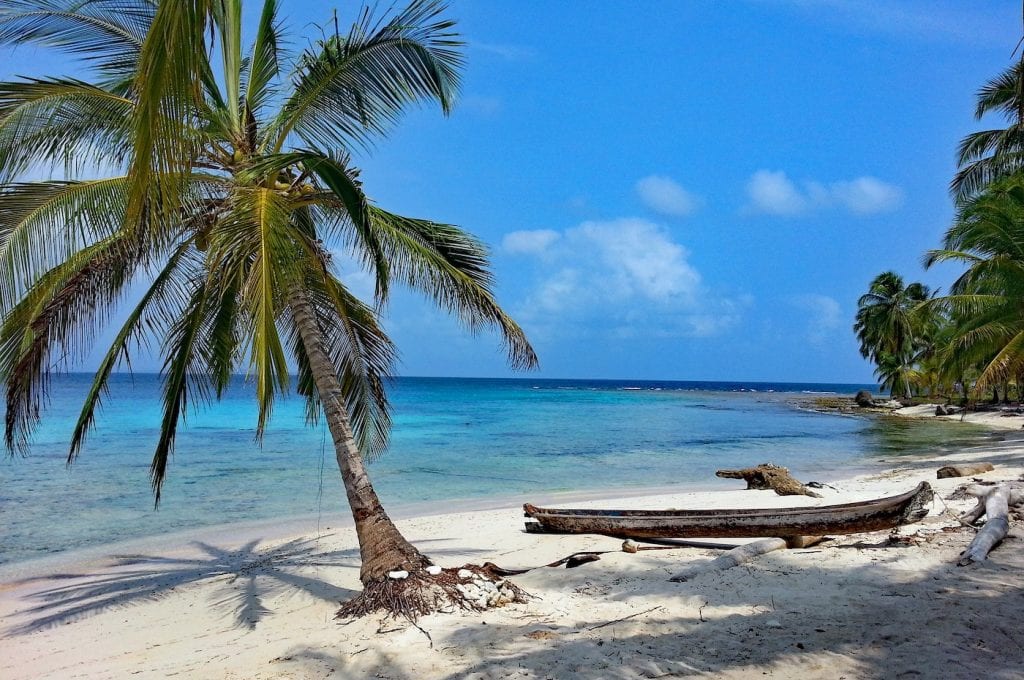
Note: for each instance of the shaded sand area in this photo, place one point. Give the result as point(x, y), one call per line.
point(255, 604)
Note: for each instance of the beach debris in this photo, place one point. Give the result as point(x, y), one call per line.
point(484, 592)
point(673, 543)
point(400, 574)
point(770, 476)
point(470, 588)
point(732, 558)
point(944, 410)
point(803, 541)
point(994, 502)
point(630, 546)
point(965, 470)
point(581, 558)
point(433, 570)
point(625, 618)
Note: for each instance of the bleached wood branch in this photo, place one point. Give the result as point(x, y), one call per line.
point(732, 558)
point(996, 503)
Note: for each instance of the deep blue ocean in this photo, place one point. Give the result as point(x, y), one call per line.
point(452, 439)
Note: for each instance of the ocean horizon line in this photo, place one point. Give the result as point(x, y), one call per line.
point(759, 381)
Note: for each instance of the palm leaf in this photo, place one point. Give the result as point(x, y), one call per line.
point(107, 33)
point(351, 87)
point(57, 316)
point(61, 122)
point(153, 315)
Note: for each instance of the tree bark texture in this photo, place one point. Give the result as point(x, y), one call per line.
point(382, 547)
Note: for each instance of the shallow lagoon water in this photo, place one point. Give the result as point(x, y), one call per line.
point(453, 439)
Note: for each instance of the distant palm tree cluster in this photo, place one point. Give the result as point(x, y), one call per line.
point(970, 342)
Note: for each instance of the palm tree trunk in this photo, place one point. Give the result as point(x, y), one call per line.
point(382, 547)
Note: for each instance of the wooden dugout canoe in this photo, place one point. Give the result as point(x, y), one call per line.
point(847, 518)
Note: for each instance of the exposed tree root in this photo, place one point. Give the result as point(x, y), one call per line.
point(768, 476)
point(469, 588)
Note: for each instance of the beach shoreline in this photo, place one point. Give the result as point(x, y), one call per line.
point(234, 607)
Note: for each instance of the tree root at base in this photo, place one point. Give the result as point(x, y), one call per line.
point(463, 588)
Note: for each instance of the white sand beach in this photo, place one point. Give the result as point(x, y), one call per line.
point(995, 418)
point(255, 604)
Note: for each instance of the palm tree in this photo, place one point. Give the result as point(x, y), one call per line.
point(989, 155)
point(229, 182)
point(986, 302)
point(891, 328)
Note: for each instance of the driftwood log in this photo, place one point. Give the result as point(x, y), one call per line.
point(965, 470)
point(993, 502)
point(732, 558)
point(768, 476)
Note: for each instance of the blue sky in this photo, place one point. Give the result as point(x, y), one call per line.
point(694, 190)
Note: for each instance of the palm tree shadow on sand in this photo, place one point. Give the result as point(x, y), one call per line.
point(245, 578)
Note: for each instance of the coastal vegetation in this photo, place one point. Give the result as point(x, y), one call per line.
point(968, 343)
point(212, 187)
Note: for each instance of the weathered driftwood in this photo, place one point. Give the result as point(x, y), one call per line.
point(981, 491)
point(846, 518)
point(633, 546)
point(768, 476)
point(803, 541)
point(997, 508)
point(965, 470)
point(734, 557)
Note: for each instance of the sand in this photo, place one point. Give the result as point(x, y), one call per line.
point(255, 603)
point(997, 418)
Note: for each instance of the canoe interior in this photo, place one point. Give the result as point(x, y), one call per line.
point(871, 515)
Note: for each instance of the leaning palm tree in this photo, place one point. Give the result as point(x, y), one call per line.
point(890, 327)
point(986, 302)
point(225, 182)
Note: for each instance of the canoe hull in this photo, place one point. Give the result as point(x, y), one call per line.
point(848, 518)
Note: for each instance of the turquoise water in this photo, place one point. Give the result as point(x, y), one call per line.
point(453, 439)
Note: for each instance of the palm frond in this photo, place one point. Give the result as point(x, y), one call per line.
point(55, 322)
point(349, 88)
point(106, 33)
point(184, 376)
point(173, 65)
point(43, 223)
point(254, 242)
point(264, 60)
point(152, 316)
point(451, 267)
point(61, 123)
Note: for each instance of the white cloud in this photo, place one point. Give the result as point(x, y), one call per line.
point(774, 193)
point(640, 256)
point(533, 242)
point(664, 195)
point(824, 315)
point(622, 278)
point(867, 195)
